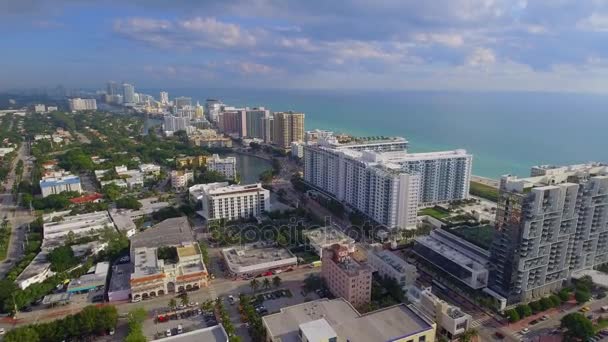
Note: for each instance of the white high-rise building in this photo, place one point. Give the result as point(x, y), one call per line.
point(128, 93)
point(213, 109)
point(223, 201)
point(383, 181)
point(77, 104)
point(39, 108)
point(164, 98)
point(225, 166)
point(176, 123)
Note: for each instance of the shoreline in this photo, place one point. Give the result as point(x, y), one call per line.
point(486, 181)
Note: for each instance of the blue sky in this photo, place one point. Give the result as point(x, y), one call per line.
point(533, 45)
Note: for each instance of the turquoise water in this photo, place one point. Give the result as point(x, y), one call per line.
point(506, 132)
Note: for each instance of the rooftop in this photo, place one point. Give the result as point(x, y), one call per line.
point(121, 274)
point(211, 334)
point(327, 236)
point(439, 246)
point(54, 181)
point(75, 223)
point(249, 255)
point(397, 263)
point(86, 198)
point(396, 322)
point(170, 232)
point(222, 188)
point(145, 262)
point(187, 251)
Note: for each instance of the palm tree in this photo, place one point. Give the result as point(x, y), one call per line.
point(255, 284)
point(266, 283)
point(469, 335)
point(184, 299)
point(276, 281)
point(172, 304)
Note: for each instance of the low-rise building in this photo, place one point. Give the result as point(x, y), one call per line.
point(326, 237)
point(225, 166)
point(451, 321)
point(390, 265)
point(257, 259)
point(79, 225)
point(153, 277)
point(214, 333)
point(119, 287)
point(56, 185)
point(149, 169)
point(211, 142)
point(37, 271)
point(123, 221)
point(337, 320)
point(191, 161)
point(223, 201)
point(77, 104)
point(94, 281)
point(345, 277)
point(39, 108)
point(181, 178)
point(88, 198)
point(297, 149)
point(462, 260)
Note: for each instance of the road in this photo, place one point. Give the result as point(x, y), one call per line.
point(16, 216)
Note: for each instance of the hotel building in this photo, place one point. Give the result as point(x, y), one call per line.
point(288, 127)
point(231, 202)
point(345, 277)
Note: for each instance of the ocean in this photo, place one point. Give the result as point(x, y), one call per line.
point(506, 132)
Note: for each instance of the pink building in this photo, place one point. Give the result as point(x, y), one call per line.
point(346, 277)
point(234, 122)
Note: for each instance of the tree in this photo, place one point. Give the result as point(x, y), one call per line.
point(128, 202)
point(555, 300)
point(255, 284)
point(512, 315)
point(468, 335)
point(276, 281)
point(62, 258)
point(584, 283)
point(281, 240)
point(524, 310)
point(27, 333)
point(266, 283)
point(564, 295)
point(546, 303)
point(582, 296)
point(578, 327)
point(536, 306)
point(172, 304)
point(111, 191)
point(137, 315)
point(184, 300)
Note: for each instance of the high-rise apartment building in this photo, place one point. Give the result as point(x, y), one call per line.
point(176, 123)
point(381, 180)
point(164, 98)
point(233, 122)
point(77, 104)
point(128, 93)
point(345, 277)
point(268, 128)
point(113, 89)
point(288, 127)
point(213, 108)
point(255, 122)
point(182, 101)
point(548, 226)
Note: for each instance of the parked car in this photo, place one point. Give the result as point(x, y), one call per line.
point(168, 332)
point(524, 331)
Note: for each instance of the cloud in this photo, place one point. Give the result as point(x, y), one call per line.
point(447, 39)
point(595, 22)
point(187, 33)
point(481, 57)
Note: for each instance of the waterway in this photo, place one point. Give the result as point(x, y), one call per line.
point(250, 168)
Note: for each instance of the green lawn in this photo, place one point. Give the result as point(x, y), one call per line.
point(436, 212)
point(484, 191)
point(480, 235)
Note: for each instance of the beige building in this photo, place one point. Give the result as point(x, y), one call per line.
point(191, 161)
point(288, 127)
point(153, 277)
point(180, 178)
point(336, 320)
point(345, 277)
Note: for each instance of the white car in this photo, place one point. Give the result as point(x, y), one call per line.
point(524, 331)
point(2, 331)
point(168, 332)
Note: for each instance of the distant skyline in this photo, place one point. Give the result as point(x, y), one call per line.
point(494, 45)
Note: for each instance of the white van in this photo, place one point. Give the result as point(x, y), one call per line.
point(179, 329)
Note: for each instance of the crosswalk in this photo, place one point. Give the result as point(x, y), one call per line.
point(480, 321)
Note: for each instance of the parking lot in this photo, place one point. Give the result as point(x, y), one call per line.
point(272, 301)
point(190, 318)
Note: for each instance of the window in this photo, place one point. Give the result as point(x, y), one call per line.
point(422, 339)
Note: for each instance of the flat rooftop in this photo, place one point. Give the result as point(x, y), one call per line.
point(395, 322)
point(211, 334)
point(145, 262)
point(170, 232)
point(440, 246)
point(327, 236)
point(55, 298)
point(78, 224)
point(250, 255)
point(222, 188)
point(187, 251)
point(121, 274)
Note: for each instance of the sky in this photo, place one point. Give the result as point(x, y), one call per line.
point(487, 45)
